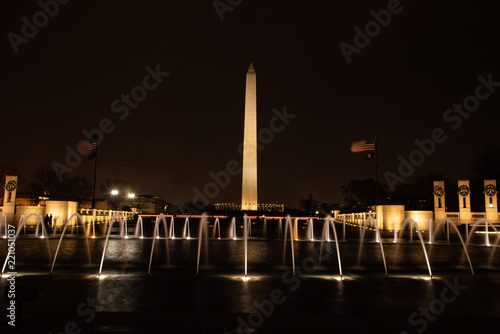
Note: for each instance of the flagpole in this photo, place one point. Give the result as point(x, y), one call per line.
point(95, 173)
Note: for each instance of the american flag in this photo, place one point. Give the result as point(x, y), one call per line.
point(87, 148)
point(362, 146)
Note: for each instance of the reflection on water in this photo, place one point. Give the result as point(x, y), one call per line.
point(125, 293)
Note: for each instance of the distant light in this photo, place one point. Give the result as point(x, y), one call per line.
point(246, 278)
point(491, 205)
point(114, 192)
point(131, 195)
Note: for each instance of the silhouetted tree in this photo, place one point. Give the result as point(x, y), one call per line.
point(362, 194)
point(419, 194)
point(309, 204)
point(45, 183)
point(327, 208)
point(78, 188)
point(172, 208)
point(192, 208)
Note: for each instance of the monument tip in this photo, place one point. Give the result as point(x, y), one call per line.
point(250, 69)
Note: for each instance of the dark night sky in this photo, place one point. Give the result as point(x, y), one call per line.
point(65, 78)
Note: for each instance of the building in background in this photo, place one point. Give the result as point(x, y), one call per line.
point(271, 207)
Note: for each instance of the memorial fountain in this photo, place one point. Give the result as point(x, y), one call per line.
point(216, 251)
point(329, 226)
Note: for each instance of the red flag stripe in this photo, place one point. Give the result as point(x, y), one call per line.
point(361, 146)
point(86, 147)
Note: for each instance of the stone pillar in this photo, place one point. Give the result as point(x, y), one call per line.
point(390, 217)
point(9, 198)
point(490, 200)
point(464, 201)
point(439, 200)
point(61, 211)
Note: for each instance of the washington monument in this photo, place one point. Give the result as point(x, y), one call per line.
point(249, 173)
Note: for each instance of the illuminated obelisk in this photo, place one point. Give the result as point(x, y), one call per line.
point(249, 173)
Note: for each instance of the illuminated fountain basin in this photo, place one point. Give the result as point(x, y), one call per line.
point(218, 287)
point(220, 253)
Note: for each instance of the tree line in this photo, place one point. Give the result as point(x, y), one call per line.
point(45, 183)
point(361, 195)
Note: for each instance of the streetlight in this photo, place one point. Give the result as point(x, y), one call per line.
point(131, 197)
point(114, 192)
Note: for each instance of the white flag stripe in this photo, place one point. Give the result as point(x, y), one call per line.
point(361, 146)
point(86, 146)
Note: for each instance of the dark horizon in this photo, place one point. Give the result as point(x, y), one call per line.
point(70, 76)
